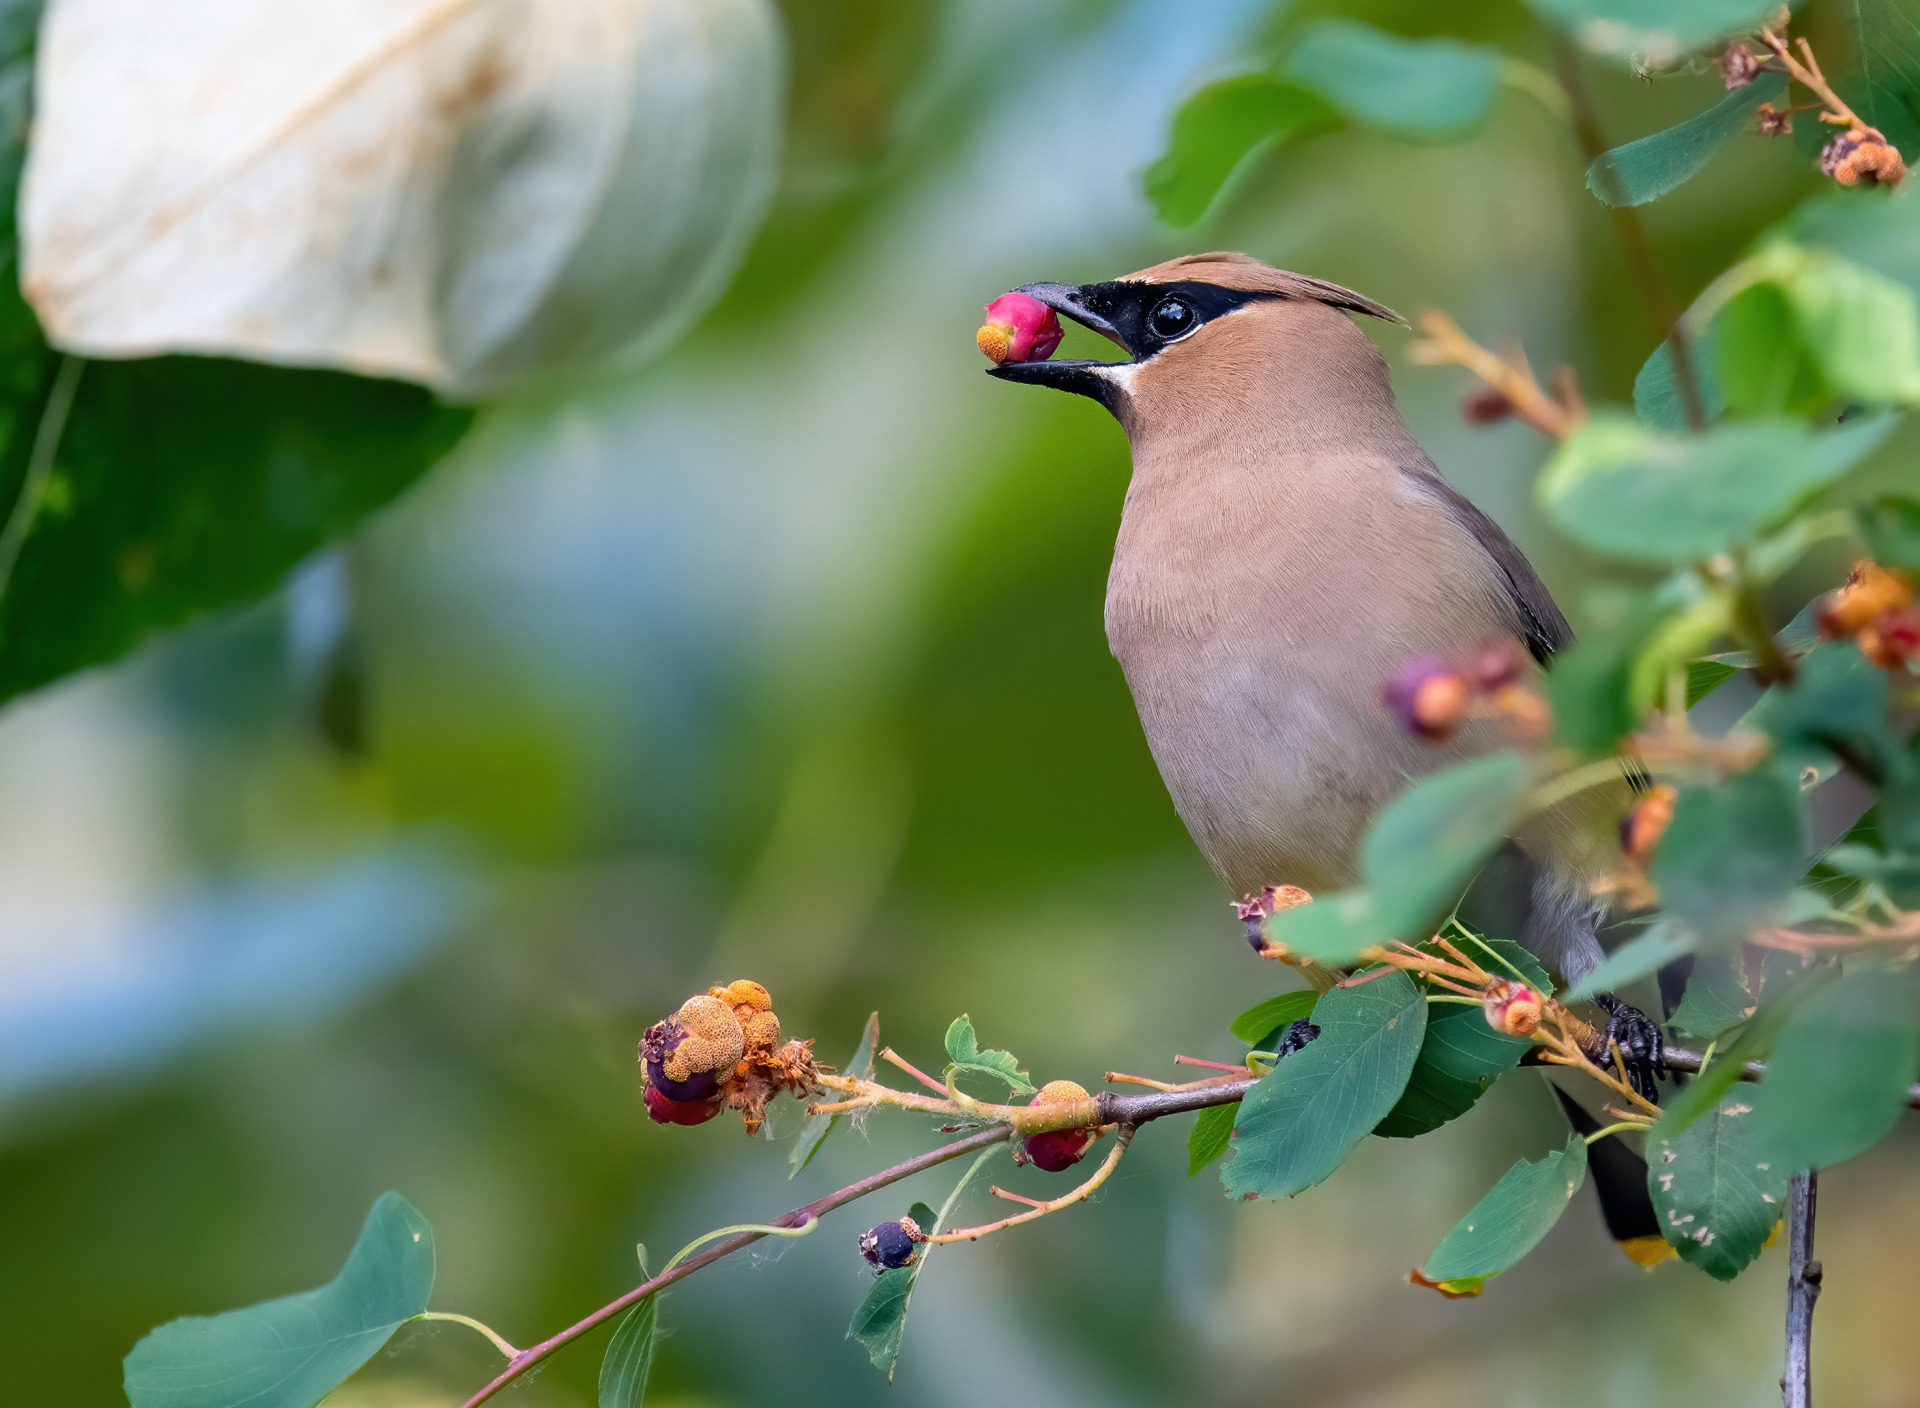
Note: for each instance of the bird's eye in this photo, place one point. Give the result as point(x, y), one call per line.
point(1171, 318)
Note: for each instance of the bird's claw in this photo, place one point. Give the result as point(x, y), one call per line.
point(1641, 1045)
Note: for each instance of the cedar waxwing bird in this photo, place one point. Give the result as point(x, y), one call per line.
point(1285, 549)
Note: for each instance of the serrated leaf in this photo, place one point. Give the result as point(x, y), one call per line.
point(1276, 1014)
point(1299, 1122)
point(1461, 1054)
point(1210, 1137)
point(815, 1131)
point(1837, 1081)
point(1645, 170)
point(1218, 128)
point(1838, 703)
point(292, 1352)
point(1431, 88)
point(1510, 1221)
point(1751, 1042)
point(1716, 1195)
point(1621, 489)
point(964, 1055)
point(629, 1357)
point(1732, 855)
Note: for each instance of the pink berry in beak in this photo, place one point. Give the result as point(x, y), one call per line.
point(1018, 328)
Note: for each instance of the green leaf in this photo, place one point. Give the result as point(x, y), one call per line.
point(629, 1357)
point(188, 484)
point(1657, 31)
point(1424, 848)
point(1753, 1042)
point(1417, 857)
point(1461, 1055)
point(1763, 363)
point(1621, 489)
point(1415, 87)
point(1301, 1119)
point(292, 1352)
point(1510, 1221)
point(1276, 1014)
point(1647, 169)
point(1716, 1196)
point(1656, 392)
point(964, 1055)
point(1217, 128)
point(1644, 954)
point(1716, 998)
point(1705, 676)
point(880, 1322)
point(815, 1131)
point(1732, 855)
point(1891, 527)
point(1837, 704)
point(1210, 1136)
point(1838, 1078)
point(1590, 686)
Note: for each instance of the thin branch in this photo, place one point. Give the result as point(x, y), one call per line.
point(1656, 295)
point(1446, 344)
point(1038, 1210)
point(1804, 1277)
point(1128, 1111)
point(895, 1058)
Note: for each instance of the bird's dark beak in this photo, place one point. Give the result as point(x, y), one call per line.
point(1082, 378)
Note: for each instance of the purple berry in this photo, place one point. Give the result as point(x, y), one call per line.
point(1428, 697)
point(891, 1244)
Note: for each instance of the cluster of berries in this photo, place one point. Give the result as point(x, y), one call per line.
point(1875, 609)
point(722, 1050)
point(1019, 328)
point(1432, 699)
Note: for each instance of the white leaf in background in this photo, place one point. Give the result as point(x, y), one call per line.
point(460, 192)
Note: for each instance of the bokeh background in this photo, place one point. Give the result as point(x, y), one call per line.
point(783, 658)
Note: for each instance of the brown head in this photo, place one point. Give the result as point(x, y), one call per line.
point(1212, 335)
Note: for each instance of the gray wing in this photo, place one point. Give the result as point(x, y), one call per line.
point(1544, 628)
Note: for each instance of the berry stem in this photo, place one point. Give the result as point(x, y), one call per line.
point(973, 1234)
point(895, 1058)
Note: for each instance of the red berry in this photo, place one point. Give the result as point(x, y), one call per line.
point(662, 1110)
point(1059, 1149)
point(1019, 328)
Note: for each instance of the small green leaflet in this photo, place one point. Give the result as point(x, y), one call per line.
point(1716, 999)
point(629, 1357)
point(1647, 169)
point(1837, 1081)
point(1657, 30)
point(1297, 1125)
point(1276, 1014)
point(292, 1352)
point(964, 1054)
point(815, 1131)
point(1210, 1136)
point(1752, 1043)
point(1656, 391)
point(1891, 527)
point(1716, 1196)
point(1509, 1222)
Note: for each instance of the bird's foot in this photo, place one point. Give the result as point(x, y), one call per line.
point(1640, 1043)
